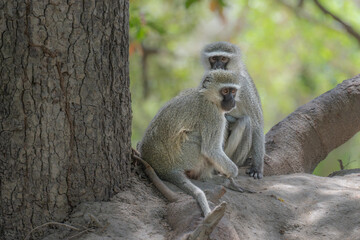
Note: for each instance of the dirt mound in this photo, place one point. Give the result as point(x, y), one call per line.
point(297, 206)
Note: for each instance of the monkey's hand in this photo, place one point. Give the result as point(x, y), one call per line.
point(230, 118)
point(230, 169)
point(255, 172)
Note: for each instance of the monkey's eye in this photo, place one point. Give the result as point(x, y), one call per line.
point(225, 91)
point(224, 59)
point(212, 59)
point(233, 90)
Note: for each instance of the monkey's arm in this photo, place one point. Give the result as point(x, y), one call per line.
point(220, 161)
point(211, 147)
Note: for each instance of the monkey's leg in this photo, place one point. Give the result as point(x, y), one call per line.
point(180, 180)
point(257, 153)
point(239, 141)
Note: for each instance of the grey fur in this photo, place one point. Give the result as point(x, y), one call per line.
point(244, 137)
point(187, 135)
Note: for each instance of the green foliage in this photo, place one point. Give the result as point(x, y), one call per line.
point(188, 3)
point(293, 54)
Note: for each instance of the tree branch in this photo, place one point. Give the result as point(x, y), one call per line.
point(305, 137)
point(146, 52)
point(300, 13)
point(345, 25)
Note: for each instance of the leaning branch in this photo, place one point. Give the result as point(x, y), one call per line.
point(305, 137)
point(345, 25)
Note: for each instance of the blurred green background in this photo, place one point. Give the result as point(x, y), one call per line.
point(293, 51)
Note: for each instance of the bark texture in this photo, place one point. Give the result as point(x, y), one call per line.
point(305, 137)
point(65, 115)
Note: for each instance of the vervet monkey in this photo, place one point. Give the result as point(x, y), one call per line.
point(185, 138)
point(244, 136)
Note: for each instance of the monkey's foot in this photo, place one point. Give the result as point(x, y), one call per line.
point(253, 172)
point(205, 228)
point(235, 187)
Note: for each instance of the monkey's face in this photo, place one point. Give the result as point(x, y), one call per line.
point(218, 62)
point(228, 94)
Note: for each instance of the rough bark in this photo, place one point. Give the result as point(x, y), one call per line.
point(305, 137)
point(65, 116)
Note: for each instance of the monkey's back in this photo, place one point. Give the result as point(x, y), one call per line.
point(173, 138)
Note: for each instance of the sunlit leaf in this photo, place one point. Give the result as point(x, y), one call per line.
point(218, 6)
point(214, 5)
point(222, 3)
point(141, 33)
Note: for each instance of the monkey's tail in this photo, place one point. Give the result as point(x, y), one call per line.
point(159, 184)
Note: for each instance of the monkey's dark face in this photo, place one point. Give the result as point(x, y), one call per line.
point(218, 62)
point(228, 94)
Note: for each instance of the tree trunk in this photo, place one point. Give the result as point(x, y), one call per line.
point(305, 137)
point(65, 114)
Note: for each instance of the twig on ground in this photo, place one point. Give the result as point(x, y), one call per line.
point(80, 233)
point(58, 224)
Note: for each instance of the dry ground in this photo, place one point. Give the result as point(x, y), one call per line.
point(297, 206)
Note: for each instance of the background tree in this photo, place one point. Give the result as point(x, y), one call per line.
point(65, 115)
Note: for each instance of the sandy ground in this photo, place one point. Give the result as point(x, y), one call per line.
point(297, 206)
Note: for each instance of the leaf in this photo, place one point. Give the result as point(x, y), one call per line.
point(132, 47)
point(213, 5)
point(221, 3)
point(218, 6)
point(188, 3)
point(156, 26)
point(140, 34)
point(134, 21)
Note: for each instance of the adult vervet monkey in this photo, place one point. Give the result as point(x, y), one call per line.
point(244, 137)
point(185, 138)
